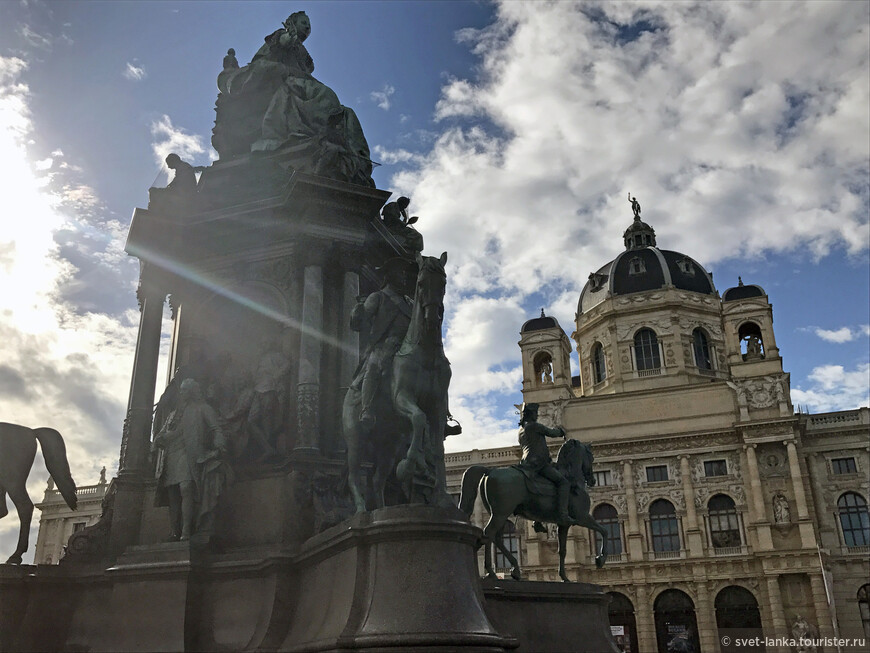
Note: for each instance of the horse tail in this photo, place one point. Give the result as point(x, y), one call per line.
point(470, 482)
point(54, 453)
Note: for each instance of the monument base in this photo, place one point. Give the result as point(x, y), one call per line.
point(402, 578)
point(550, 617)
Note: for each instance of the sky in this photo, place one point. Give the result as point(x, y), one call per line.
point(517, 130)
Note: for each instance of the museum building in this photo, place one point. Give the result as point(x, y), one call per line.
point(727, 513)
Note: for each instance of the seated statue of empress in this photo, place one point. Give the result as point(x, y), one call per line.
point(302, 115)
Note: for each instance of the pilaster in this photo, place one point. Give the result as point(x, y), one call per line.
point(694, 540)
point(310, 349)
point(759, 519)
point(777, 614)
point(635, 540)
point(707, 629)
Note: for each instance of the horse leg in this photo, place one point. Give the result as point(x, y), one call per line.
point(487, 560)
point(587, 521)
point(563, 549)
point(25, 512)
point(354, 477)
point(3, 509)
point(516, 574)
point(407, 407)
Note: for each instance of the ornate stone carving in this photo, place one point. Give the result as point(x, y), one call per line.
point(661, 326)
point(643, 499)
point(772, 462)
point(618, 481)
point(762, 392)
point(550, 413)
point(620, 503)
point(738, 494)
point(678, 499)
point(781, 510)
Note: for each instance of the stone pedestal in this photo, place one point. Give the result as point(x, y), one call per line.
point(555, 617)
point(402, 578)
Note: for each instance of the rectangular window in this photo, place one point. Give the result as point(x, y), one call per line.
point(715, 468)
point(603, 478)
point(657, 473)
point(844, 466)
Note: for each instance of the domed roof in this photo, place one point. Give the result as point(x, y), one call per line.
point(742, 292)
point(643, 267)
point(540, 323)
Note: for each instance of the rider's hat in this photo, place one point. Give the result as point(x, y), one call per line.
point(530, 408)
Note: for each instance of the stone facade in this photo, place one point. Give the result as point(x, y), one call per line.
point(57, 522)
point(727, 509)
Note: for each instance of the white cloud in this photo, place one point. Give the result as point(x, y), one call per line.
point(382, 97)
point(843, 334)
point(134, 73)
point(741, 128)
point(58, 367)
point(169, 139)
point(33, 38)
point(832, 387)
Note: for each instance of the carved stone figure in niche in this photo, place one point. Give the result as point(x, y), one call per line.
point(266, 414)
point(193, 472)
point(385, 316)
point(276, 103)
point(546, 371)
point(781, 511)
point(753, 347)
point(804, 633)
point(181, 190)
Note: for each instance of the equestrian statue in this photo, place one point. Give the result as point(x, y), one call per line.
point(395, 410)
point(535, 489)
point(17, 451)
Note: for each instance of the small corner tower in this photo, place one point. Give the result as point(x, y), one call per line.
point(756, 366)
point(546, 355)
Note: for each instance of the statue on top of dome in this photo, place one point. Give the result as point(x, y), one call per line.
point(635, 206)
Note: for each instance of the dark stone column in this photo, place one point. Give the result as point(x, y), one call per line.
point(310, 346)
point(137, 426)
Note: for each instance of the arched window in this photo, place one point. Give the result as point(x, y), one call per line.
point(864, 607)
point(751, 342)
point(663, 526)
point(606, 515)
point(701, 349)
point(512, 543)
point(544, 368)
point(599, 367)
point(737, 617)
point(676, 626)
point(854, 519)
point(646, 350)
point(622, 622)
point(724, 527)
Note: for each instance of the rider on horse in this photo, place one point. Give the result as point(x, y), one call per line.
point(386, 314)
point(536, 456)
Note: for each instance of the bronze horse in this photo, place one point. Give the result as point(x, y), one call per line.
point(504, 492)
point(410, 417)
point(17, 451)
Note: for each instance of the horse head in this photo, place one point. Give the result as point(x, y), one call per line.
point(431, 285)
point(575, 462)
